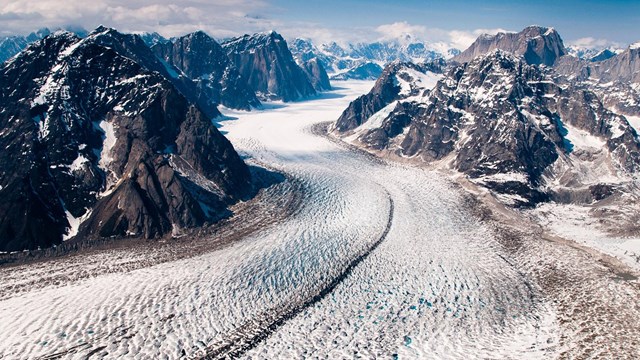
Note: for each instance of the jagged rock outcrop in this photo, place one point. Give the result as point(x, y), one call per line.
point(315, 72)
point(266, 62)
point(97, 145)
point(537, 44)
point(202, 59)
point(505, 124)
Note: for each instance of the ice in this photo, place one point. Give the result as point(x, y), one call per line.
point(426, 277)
point(583, 140)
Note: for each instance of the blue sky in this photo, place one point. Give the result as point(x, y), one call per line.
point(454, 22)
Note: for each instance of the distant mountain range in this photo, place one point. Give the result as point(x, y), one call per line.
point(366, 60)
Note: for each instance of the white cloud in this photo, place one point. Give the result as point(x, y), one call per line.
point(592, 43)
point(461, 39)
point(170, 18)
point(219, 18)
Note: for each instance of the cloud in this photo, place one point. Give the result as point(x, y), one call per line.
point(461, 39)
point(170, 18)
point(399, 30)
point(592, 43)
point(220, 18)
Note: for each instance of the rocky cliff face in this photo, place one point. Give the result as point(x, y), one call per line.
point(502, 122)
point(202, 59)
point(315, 72)
point(97, 145)
point(538, 45)
point(267, 64)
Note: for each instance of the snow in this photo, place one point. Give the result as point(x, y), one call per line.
point(419, 80)
point(634, 121)
point(377, 119)
point(635, 45)
point(74, 224)
point(583, 140)
point(438, 285)
point(576, 222)
point(108, 143)
point(505, 177)
point(78, 163)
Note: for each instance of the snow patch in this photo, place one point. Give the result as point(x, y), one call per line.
point(582, 140)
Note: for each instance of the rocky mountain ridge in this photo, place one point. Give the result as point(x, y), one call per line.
point(505, 123)
point(97, 145)
point(202, 59)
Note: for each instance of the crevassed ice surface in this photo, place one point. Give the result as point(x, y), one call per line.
point(437, 285)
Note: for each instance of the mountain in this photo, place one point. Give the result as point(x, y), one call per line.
point(202, 59)
point(11, 45)
point(316, 73)
point(538, 45)
point(398, 80)
point(615, 79)
point(153, 38)
point(133, 47)
point(365, 60)
point(97, 145)
point(366, 71)
point(502, 122)
point(266, 62)
point(592, 54)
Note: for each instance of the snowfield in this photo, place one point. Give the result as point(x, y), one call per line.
point(381, 260)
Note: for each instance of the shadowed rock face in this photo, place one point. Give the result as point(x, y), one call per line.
point(497, 119)
point(202, 59)
point(538, 45)
point(91, 136)
point(623, 67)
point(316, 73)
point(266, 62)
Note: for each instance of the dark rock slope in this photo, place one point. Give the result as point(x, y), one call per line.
point(202, 59)
point(97, 145)
point(266, 62)
point(316, 74)
point(133, 47)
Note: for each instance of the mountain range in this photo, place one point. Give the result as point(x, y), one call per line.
point(105, 136)
point(515, 113)
point(111, 135)
point(365, 60)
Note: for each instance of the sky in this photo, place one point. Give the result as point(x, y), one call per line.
point(457, 23)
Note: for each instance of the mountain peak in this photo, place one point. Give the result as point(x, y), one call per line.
point(538, 44)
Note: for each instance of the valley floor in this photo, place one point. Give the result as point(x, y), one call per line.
point(380, 260)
